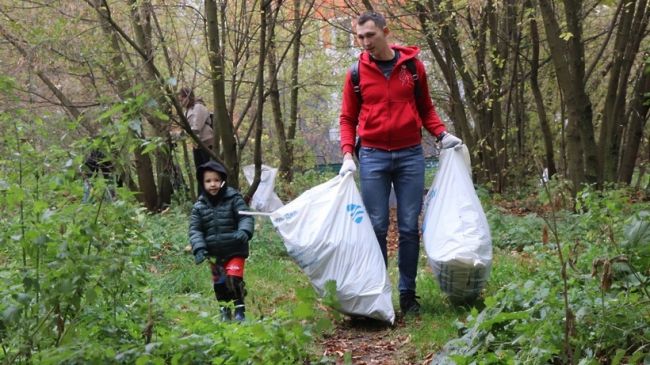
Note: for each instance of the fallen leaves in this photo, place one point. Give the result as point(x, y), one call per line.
point(365, 342)
point(364, 346)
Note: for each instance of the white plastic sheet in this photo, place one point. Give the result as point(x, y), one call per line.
point(327, 231)
point(265, 199)
point(455, 231)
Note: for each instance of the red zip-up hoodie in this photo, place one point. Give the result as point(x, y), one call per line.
point(389, 117)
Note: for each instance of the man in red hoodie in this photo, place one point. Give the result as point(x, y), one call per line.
point(388, 116)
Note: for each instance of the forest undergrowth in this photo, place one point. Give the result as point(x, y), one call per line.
point(105, 281)
point(108, 282)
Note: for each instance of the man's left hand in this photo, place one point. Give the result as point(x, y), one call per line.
point(348, 165)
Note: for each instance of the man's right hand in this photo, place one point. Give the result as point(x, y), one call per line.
point(200, 256)
point(449, 141)
point(348, 164)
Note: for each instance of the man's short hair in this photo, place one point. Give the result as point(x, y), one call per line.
point(377, 18)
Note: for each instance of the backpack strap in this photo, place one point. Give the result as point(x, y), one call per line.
point(356, 79)
point(410, 65)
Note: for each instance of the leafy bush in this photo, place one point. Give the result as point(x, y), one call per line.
point(66, 259)
point(637, 242)
point(197, 339)
point(607, 295)
point(514, 232)
point(78, 280)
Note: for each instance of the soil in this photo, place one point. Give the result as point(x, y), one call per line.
point(366, 341)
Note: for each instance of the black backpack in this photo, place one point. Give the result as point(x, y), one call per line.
point(210, 120)
point(356, 78)
point(356, 82)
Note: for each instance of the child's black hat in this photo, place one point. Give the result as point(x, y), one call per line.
point(212, 166)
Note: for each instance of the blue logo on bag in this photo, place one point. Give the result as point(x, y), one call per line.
point(355, 212)
point(285, 217)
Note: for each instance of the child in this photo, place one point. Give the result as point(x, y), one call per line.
point(217, 230)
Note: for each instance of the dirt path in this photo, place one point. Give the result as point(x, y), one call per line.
point(362, 345)
point(365, 341)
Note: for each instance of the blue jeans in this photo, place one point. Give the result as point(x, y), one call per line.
point(405, 170)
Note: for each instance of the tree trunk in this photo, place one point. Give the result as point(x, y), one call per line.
point(637, 117)
point(293, 112)
point(456, 106)
point(545, 126)
point(563, 149)
point(502, 22)
point(118, 73)
point(223, 126)
point(191, 174)
point(141, 17)
point(146, 180)
point(274, 97)
point(631, 29)
point(582, 109)
point(522, 120)
point(489, 112)
point(240, 53)
point(568, 60)
point(476, 94)
point(257, 157)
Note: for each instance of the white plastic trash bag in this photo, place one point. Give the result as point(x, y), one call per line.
point(265, 199)
point(327, 231)
point(455, 230)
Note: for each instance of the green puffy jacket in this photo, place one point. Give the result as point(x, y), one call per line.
point(215, 227)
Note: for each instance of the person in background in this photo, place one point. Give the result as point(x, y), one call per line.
point(217, 231)
point(199, 118)
point(388, 113)
point(96, 164)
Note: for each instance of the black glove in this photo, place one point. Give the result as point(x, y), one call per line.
point(200, 256)
point(240, 236)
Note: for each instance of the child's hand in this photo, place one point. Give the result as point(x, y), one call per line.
point(200, 256)
point(241, 236)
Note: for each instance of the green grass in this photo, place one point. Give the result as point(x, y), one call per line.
point(285, 317)
point(275, 283)
point(277, 288)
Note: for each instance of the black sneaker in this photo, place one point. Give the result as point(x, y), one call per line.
point(408, 303)
point(239, 313)
point(226, 314)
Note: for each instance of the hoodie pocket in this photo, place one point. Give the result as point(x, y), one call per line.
point(369, 121)
point(404, 117)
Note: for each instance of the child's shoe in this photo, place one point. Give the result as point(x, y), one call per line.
point(239, 312)
point(226, 314)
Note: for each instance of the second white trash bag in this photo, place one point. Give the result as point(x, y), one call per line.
point(327, 231)
point(265, 199)
point(455, 230)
